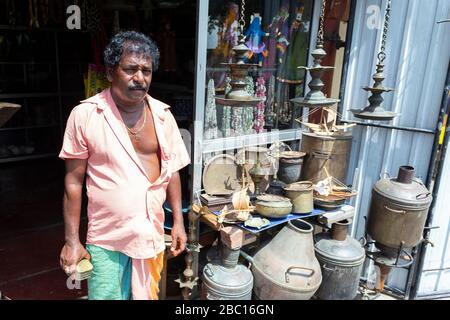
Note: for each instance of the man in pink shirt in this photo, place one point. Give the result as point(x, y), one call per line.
point(129, 148)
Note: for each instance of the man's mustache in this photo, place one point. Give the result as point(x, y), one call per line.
point(137, 88)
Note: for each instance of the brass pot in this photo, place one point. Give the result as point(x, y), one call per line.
point(272, 206)
point(301, 195)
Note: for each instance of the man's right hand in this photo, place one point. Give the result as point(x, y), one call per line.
point(70, 255)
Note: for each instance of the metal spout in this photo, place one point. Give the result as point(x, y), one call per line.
point(384, 273)
point(230, 257)
point(405, 174)
point(339, 230)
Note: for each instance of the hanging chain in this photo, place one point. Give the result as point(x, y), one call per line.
point(382, 54)
point(242, 17)
point(322, 18)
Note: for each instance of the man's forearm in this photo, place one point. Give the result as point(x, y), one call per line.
point(72, 212)
point(174, 198)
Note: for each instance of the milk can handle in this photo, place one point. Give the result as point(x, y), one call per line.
point(295, 267)
point(394, 211)
point(321, 155)
point(208, 272)
point(423, 195)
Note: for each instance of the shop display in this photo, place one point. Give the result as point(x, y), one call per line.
point(375, 110)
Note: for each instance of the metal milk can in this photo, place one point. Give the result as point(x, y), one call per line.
point(225, 279)
point(341, 258)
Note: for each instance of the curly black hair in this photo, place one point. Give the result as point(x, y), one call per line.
point(130, 42)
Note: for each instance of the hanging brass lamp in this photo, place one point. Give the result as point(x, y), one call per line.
point(238, 95)
point(315, 98)
point(375, 110)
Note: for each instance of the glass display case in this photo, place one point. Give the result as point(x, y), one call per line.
point(277, 38)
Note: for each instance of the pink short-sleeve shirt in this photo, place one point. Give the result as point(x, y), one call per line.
point(124, 208)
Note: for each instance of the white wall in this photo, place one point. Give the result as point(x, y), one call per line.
point(435, 281)
point(418, 52)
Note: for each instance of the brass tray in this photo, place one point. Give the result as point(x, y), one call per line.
point(221, 176)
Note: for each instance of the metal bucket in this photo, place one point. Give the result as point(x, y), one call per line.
point(331, 152)
point(301, 195)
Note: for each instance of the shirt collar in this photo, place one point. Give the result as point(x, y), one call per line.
point(104, 100)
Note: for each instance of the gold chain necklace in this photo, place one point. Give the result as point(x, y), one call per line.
point(136, 132)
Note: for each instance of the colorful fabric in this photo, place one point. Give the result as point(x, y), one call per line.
point(125, 210)
point(119, 277)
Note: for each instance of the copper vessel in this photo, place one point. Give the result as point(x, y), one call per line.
point(398, 211)
point(330, 152)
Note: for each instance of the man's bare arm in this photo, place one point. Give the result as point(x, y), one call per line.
point(174, 198)
point(73, 251)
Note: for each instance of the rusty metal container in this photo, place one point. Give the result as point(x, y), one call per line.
point(341, 258)
point(286, 268)
point(398, 211)
point(330, 152)
point(226, 279)
point(290, 166)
